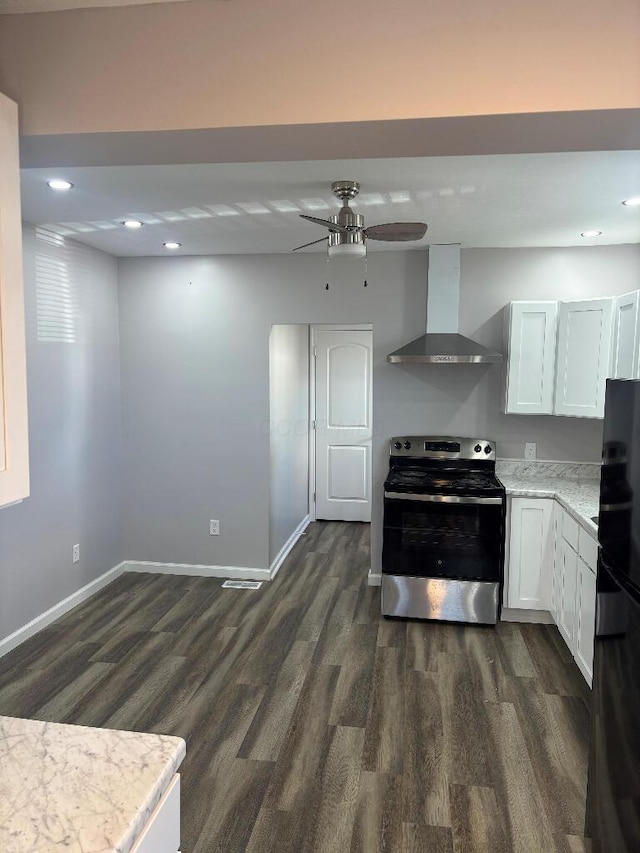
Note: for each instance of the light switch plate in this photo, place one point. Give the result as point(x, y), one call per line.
point(530, 450)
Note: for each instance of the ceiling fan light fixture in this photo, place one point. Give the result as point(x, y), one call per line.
point(347, 250)
point(347, 235)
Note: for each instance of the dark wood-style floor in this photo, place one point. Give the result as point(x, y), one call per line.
point(312, 724)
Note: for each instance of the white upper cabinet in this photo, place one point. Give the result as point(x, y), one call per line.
point(626, 344)
point(531, 329)
point(584, 357)
point(14, 452)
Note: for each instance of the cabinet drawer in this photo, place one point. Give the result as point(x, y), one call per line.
point(569, 530)
point(162, 832)
point(588, 550)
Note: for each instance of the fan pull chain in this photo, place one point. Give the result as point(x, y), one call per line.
point(328, 273)
point(366, 271)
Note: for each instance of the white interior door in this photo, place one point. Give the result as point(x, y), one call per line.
point(343, 363)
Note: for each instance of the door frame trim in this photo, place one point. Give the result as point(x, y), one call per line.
point(324, 327)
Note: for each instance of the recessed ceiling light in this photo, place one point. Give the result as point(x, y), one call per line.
point(133, 224)
point(632, 202)
point(59, 184)
point(171, 245)
point(591, 233)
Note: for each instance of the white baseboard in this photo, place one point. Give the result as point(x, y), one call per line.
point(58, 610)
point(283, 553)
point(234, 572)
point(374, 579)
point(515, 614)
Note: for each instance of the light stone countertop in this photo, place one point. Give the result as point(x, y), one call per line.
point(79, 789)
point(580, 498)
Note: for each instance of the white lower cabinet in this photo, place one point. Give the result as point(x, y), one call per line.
point(530, 554)
point(576, 561)
point(566, 618)
point(555, 563)
point(586, 618)
point(552, 567)
point(162, 831)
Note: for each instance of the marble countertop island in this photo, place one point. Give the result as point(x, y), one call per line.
point(576, 487)
point(78, 789)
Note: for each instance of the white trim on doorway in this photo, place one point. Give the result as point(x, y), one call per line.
point(286, 549)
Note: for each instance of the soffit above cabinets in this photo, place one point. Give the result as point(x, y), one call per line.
point(20, 6)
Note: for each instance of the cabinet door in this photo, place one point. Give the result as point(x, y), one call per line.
point(556, 564)
point(14, 453)
point(567, 602)
point(584, 357)
point(531, 361)
point(530, 554)
point(162, 831)
point(585, 619)
point(626, 346)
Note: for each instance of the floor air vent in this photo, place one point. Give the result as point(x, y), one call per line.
point(242, 585)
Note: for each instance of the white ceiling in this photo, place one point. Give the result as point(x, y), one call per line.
point(19, 6)
point(478, 201)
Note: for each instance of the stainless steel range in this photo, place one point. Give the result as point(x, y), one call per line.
point(444, 529)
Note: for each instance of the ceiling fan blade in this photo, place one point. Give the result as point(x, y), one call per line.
point(397, 231)
point(332, 226)
point(313, 243)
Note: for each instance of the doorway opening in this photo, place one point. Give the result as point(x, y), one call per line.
point(320, 428)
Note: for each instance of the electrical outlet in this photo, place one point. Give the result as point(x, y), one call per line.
point(214, 527)
point(76, 553)
point(530, 450)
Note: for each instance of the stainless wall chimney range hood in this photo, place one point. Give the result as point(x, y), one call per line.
point(443, 344)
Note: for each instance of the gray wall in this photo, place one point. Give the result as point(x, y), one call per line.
point(288, 432)
point(75, 433)
point(471, 399)
point(194, 348)
point(491, 278)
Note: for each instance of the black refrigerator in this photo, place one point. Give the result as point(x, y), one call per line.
point(613, 795)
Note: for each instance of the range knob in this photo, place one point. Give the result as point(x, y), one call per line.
point(407, 445)
point(477, 448)
point(397, 445)
point(487, 449)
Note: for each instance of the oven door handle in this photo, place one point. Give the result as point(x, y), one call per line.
point(445, 499)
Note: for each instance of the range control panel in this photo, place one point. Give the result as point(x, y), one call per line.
point(443, 447)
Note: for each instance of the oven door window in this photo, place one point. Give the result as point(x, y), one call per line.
point(443, 540)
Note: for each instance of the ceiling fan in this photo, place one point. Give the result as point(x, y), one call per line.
point(347, 235)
